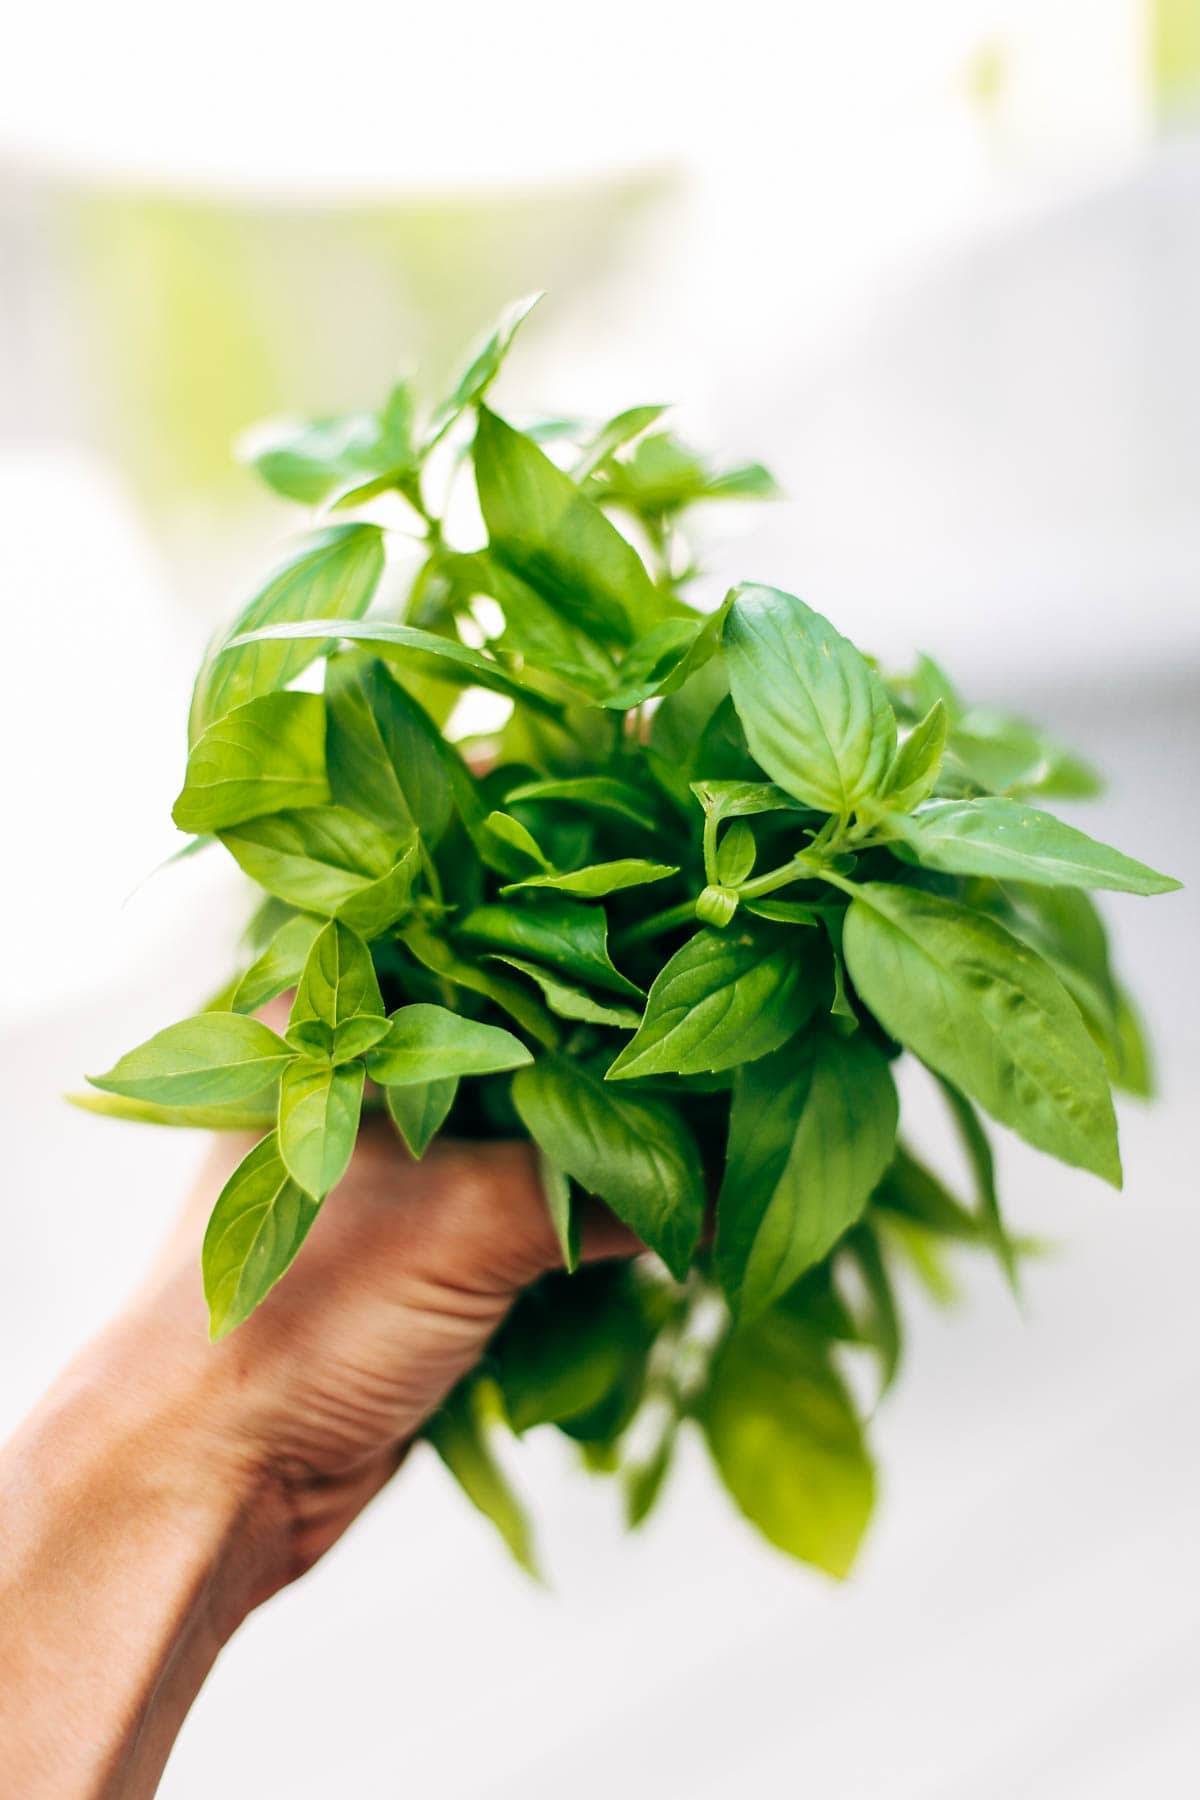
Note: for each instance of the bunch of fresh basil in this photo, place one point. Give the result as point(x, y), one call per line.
point(716, 875)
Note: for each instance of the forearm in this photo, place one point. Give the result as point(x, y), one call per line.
point(125, 1563)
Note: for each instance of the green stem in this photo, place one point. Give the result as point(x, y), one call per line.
point(797, 870)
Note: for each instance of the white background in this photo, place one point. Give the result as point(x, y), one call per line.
point(963, 331)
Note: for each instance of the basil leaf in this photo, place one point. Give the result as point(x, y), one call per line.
point(419, 1110)
point(636, 1154)
point(311, 462)
point(481, 370)
point(1010, 755)
point(736, 854)
point(328, 860)
point(598, 793)
point(663, 476)
point(263, 757)
point(205, 1061)
point(914, 1192)
point(517, 837)
point(561, 933)
point(917, 763)
point(724, 998)
point(663, 660)
point(564, 1214)
point(319, 1109)
point(984, 1010)
point(812, 1130)
point(259, 1222)
point(979, 1156)
point(280, 965)
point(569, 1001)
point(815, 713)
point(568, 1346)
point(787, 1444)
point(458, 1432)
point(444, 658)
point(742, 799)
point(256, 1114)
point(614, 435)
point(1002, 837)
point(378, 751)
point(599, 879)
point(533, 626)
point(542, 528)
point(443, 960)
point(333, 575)
point(337, 997)
point(430, 1043)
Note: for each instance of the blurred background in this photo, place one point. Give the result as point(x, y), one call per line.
point(939, 266)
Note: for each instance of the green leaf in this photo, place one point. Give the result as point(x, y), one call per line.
point(205, 1061)
point(419, 1110)
point(485, 363)
point(614, 435)
point(880, 1326)
point(430, 1043)
point(319, 1109)
point(915, 1193)
point(238, 1115)
point(636, 1154)
point(443, 960)
point(595, 793)
point(445, 658)
point(328, 860)
point(562, 934)
point(279, 966)
point(665, 658)
point(1005, 838)
point(338, 1011)
point(787, 1444)
point(510, 831)
point(542, 528)
point(979, 1156)
point(815, 713)
point(259, 1222)
point(985, 1011)
point(263, 757)
point(663, 476)
point(916, 765)
point(378, 751)
point(812, 1130)
point(534, 628)
point(1009, 755)
point(333, 575)
point(568, 1345)
point(725, 997)
point(564, 1214)
point(743, 799)
point(599, 879)
point(313, 461)
point(569, 1001)
point(459, 1433)
point(736, 854)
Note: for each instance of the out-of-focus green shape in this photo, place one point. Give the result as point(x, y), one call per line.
point(1174, 39)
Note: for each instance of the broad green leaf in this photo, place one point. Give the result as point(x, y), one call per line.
point(1005, 838)
point(518, 837)
point(915, 767)
point(319, 1108)
point(787, 1443)
point(815, 713)
point(812, 1130)
point(987, 1012)
point(534, 628)
point(725, 997)
point(279, 966)
point(449, 964)
point(459, 1433)
point(409, 646)
point(257, 1114)
point(663, 476)
point(430, 1043)
point(743, 799)
point(783, 912)
point(568, 1345)
point(636, 1154)
point(915, 1192)
point(313, 461)
point(569, 1001)
point(333, 575)
point(380, 758)
point(206, 1061)
point(613, 435)
point(562, 934)
point(679, 723)
point(542, 528)
point(264, 757)
point(599, 879)
point(259, 1222)
point(338, 1011)
point(419, 1110)
point(594, 793)
point(328, 860)
point(1007, 755)
point(666, 658)
point(482, 369)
